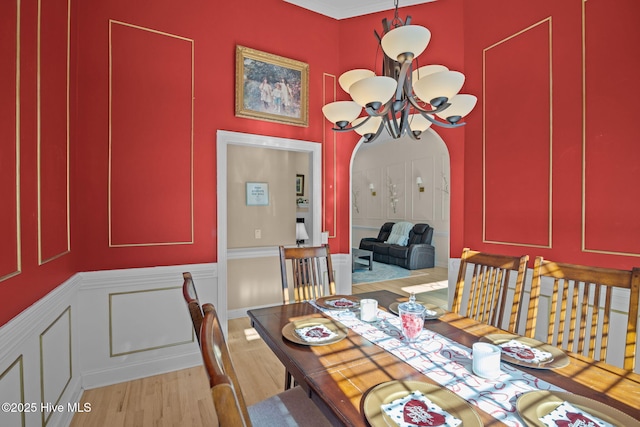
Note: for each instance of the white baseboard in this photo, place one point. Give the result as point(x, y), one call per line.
point(140, 369)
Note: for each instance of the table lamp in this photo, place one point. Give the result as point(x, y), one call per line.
point(301, 233)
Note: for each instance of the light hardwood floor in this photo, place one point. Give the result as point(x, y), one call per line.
point(182, 399)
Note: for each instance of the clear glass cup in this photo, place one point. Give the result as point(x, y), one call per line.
point(412, 317)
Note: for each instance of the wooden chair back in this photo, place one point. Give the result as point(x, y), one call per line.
point(193, 303)
point(309, 265)
point(489, 287)
point(230, 405)
point(581, 305)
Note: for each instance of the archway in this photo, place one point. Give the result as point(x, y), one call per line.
point(399, 163)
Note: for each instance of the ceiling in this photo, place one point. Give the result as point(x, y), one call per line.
point(341, 9)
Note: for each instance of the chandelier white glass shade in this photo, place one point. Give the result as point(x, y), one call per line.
point(371, 126)
point(408, 39)
point(404, 100)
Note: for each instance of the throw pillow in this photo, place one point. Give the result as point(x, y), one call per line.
point(400, 233)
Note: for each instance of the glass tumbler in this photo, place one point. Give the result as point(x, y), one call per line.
point(412, 317)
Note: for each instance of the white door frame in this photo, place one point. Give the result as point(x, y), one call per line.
point(226, 138)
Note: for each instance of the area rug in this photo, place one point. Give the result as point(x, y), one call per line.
point(379, 273)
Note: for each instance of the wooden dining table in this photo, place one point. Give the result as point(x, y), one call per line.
point(338, 376)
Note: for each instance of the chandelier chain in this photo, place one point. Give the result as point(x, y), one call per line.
point(396, 21)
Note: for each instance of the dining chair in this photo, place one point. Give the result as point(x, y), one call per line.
point(193, 303)
point(581, 305)
point(309, 264)
point(292, 407)
point(487, 293)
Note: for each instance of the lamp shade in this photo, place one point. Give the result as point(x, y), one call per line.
point(417, 122)
point(370, 127)
point(426, 70)
point(441, 84)
point(341, 111)
point(373, 89)
point(461, 105)
point(301, 231)
point(405, 39)
point(350, 77)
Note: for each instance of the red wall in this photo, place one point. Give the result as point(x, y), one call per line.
point(145, 196)
point(535, 193)
point(214, 30)
point(34, 159)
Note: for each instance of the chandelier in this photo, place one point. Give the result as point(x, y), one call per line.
point(406, 99)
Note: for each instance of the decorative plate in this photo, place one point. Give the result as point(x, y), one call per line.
point(289, 330)
point(389, 391)
point(339, 302)
point(393, 307)
point(536, 404)
point(559, 358)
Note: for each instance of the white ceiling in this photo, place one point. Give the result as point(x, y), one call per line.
point(341, 9)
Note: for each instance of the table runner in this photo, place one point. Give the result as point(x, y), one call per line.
point(449, 364)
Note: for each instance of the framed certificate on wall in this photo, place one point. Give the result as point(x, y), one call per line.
point(257, 194)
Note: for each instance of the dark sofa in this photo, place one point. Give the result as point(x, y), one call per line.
point(418, 253)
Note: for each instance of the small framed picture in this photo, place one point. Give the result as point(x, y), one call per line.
point(257, 194)
point(299, 185)
point(271, 87)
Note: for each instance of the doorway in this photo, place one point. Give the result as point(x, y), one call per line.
point(226, 139)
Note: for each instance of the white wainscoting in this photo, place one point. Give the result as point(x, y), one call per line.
point(95, 329)
point(39, 360)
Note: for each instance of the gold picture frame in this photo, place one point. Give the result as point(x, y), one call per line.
point(271, 87)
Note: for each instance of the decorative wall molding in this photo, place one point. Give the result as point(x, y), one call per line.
point(169, 206)
point(496, 182)
point(60, 345)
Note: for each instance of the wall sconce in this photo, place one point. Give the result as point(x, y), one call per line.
point(372, 188)
point(420, 186)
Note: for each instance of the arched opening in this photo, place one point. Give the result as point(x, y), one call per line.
point(384, 188)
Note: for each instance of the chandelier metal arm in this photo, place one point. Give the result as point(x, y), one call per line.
point(372, 137)
point(404, 79)
point(442, 124)
point(392, 124)
point(403, 127)
point(352, 127)
point(415, 105)
point(375, 113)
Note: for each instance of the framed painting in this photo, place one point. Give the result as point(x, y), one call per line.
point(271, 87)
point(299, 185)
